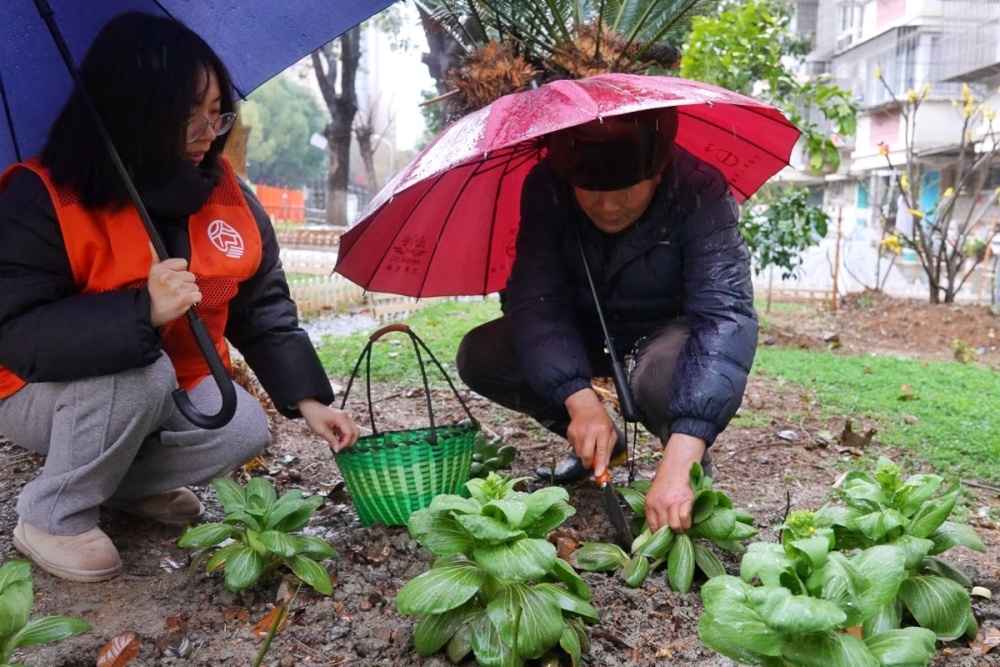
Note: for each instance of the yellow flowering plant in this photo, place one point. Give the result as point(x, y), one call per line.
point(941, 230)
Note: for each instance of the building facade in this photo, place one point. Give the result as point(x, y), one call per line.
point(941, 44)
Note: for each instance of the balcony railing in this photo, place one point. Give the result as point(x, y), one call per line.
point(970, 48)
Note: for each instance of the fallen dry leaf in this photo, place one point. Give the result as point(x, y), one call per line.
point(171, 565)
point(232, 612)
point(120, 650)
point(176, 644)
point(848, 437)
point(565, 542)
point(852, 451)
point(277, 615)
point(985, 641)
point(286, 593)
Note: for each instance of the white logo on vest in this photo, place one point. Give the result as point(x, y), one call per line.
point(226, 239)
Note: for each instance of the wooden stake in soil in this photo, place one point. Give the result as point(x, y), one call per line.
point(836, 259)
point(985, 270)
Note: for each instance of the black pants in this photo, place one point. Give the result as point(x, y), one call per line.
point(488, 363)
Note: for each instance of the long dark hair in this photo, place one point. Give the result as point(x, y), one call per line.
point(145, 74)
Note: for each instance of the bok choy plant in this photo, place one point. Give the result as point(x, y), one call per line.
point(497, 588)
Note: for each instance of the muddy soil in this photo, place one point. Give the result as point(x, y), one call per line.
point(174, 612)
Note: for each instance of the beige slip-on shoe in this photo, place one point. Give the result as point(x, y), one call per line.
point(87, 557)
point(179, 506)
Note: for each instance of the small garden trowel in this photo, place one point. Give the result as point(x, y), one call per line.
point(614, 511)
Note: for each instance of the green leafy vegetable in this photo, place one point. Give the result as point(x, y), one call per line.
point(16, 599)
point(496, 588)
point(713, 518)
point(259, 535)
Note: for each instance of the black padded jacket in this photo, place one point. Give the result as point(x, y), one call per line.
point(684, 257)
point(50, 332)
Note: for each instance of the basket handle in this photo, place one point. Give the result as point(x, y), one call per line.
point(388, 329)
point(366, 355)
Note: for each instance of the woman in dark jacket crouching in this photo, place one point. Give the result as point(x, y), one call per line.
point(659, 228)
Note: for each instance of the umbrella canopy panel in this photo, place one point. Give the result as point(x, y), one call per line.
point(255, 38)
point(446, 223)
point(454, 231)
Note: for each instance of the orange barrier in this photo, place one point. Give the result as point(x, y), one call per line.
point(283, 204)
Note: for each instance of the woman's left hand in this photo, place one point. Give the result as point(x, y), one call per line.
point(333, 425)
point(670, 496)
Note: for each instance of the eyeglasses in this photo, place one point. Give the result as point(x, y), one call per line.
point(197, 126)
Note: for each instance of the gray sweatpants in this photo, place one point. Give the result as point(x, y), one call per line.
point(120, 438)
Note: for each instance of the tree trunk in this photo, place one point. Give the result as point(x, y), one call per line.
point(368, 158)
point(342, 106)
point(444, 54)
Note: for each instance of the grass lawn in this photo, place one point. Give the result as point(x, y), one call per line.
point(943, 413)
point(441, 326)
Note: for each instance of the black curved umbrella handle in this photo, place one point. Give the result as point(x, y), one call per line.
point(219, 373)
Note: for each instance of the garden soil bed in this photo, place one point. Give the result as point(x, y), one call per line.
point(174, 612)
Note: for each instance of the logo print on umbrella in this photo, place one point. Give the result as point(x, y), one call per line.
point(462, 192)
point(408, 254)
point(226, 239)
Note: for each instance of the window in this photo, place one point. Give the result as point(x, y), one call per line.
point(848, 24)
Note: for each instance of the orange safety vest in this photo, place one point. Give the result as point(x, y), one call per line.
point(110, 251)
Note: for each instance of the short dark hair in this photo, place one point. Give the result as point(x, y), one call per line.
point(614, 152)
point(144, 73)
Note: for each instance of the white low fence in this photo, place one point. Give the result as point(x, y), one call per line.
point(322, 296)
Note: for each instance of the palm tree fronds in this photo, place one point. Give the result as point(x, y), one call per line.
point(488, 73)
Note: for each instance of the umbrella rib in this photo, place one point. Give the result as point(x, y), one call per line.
point(523, 156)
point(725, 129)
point(376, 265)
point(519, 151)
point(381, 259)
point(722, 128)
point(447, 221)
point(10, 118)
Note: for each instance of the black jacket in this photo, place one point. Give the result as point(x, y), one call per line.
point(684, 257)
point(49, 332)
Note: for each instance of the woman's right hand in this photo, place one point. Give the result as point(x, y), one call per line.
point(591, 432)
point(172, 289)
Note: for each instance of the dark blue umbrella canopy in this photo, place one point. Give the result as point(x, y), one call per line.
point(255, 38)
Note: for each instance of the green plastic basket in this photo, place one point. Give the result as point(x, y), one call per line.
point(392, 474)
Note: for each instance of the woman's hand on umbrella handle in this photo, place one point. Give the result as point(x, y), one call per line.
point(330, 423)
point(173, 289)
